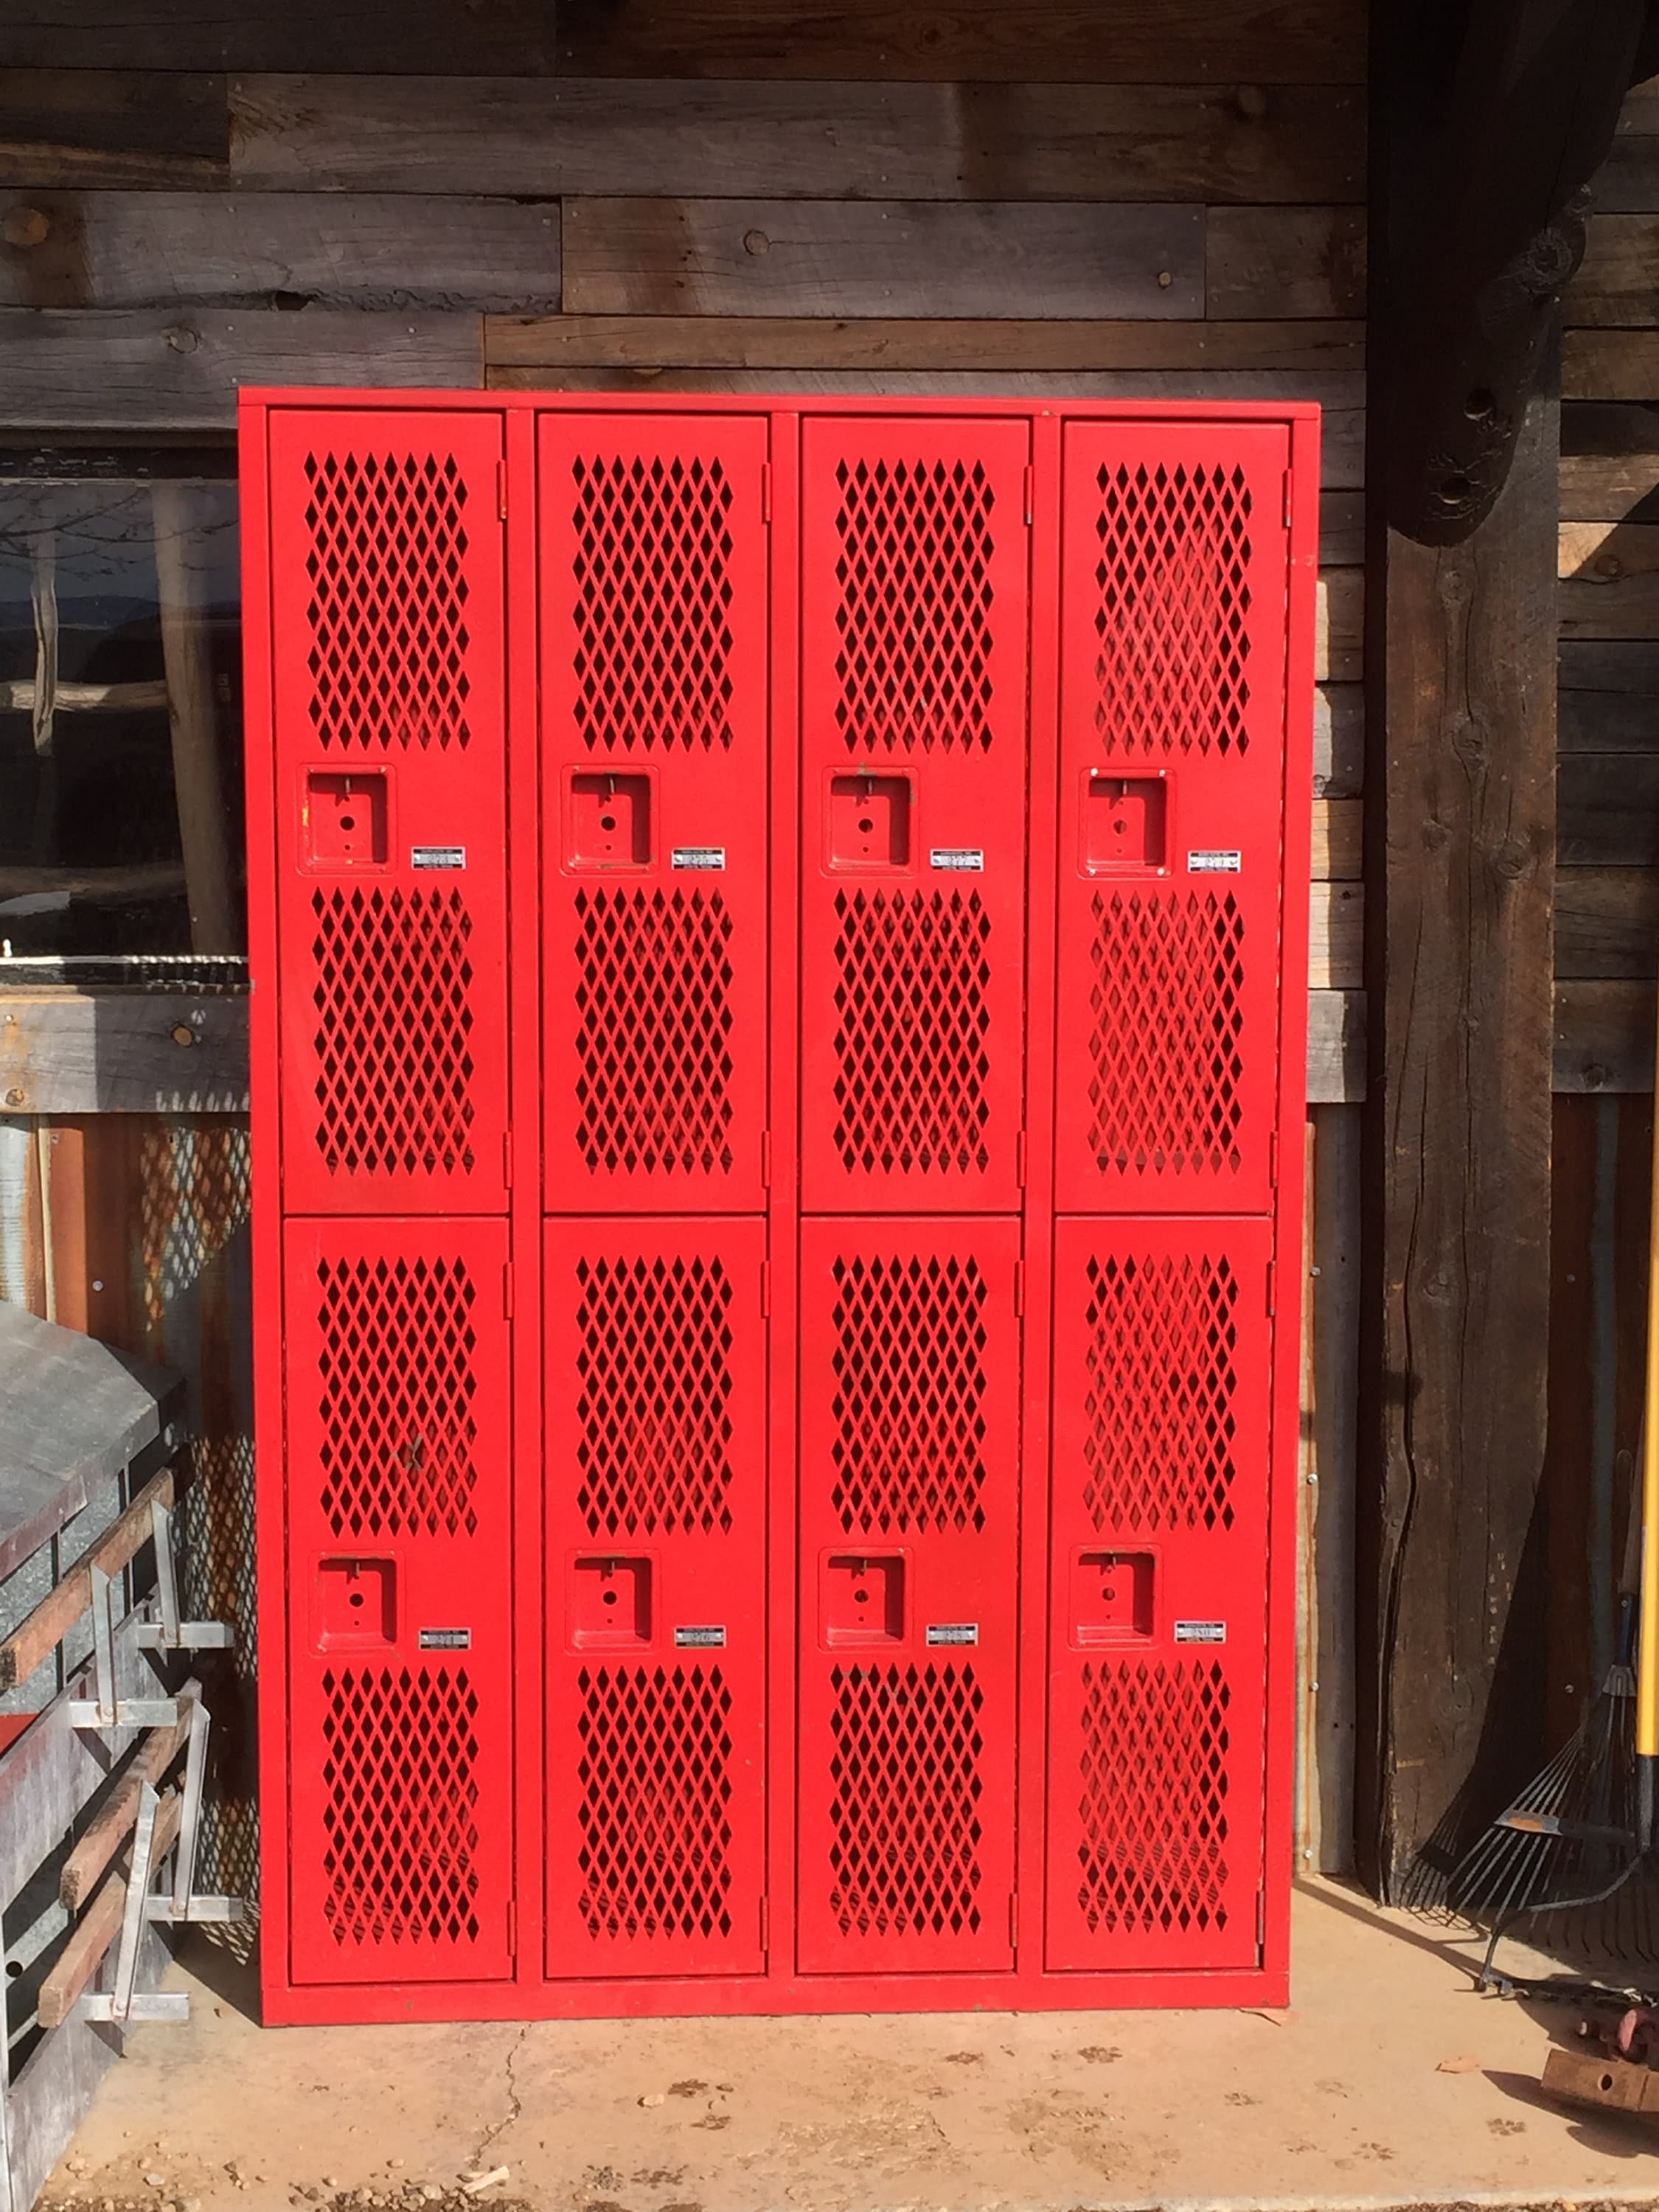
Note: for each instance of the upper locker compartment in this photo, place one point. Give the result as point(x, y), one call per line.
point(1173, 640)
point(914, 564)
point(653, 661)
point(388, 695)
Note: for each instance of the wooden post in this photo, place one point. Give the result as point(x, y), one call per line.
point(1457, 1157)
point(215, 921)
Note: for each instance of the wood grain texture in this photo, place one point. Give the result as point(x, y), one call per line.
point(1608, 722)
point(111, 1825)
point(1610, 487)
point(1609, 365)
point(1336, 937)
point(1604, 1036)
point(1339, 625)
point(1281, 262)
point(1607, 922)
point(1338, 830)
point(123, 1051)
point(1608, 809)
point(562, 342)
point(1609, 580)
point(364, 250)
point(1336, 1047)
point(279, 34)
point(1628, 667)
point(70, 127)
point(160, 370)
point(845, 140)
point(1054, 262)
point(1618, 282)
point(1132, 42)
point(1628, 180)
point(1456, 1302)
point(76, 1964)
point(1338, 740)
point(36, 1636)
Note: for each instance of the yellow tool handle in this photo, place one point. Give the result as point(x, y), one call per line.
point(1647, 1647)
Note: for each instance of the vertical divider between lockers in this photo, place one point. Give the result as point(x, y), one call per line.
point(783, 1202)
point(1290, 1197)
point(270, 1486)
point(1041, 952)
point(531, 1598)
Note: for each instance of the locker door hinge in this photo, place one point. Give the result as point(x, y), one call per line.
point(1019, 1159)
point(501, 490)
point(511, 1927)
point(766, 1159)
point(1287, 499)
point(765, 491)
point(766, 1924)
point(1019, 1286)
point(507, 1288)
point(1273, 1286)
point(507, 1158)
point(766, 1290)
point(1031, 491)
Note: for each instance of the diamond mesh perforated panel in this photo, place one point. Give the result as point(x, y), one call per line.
point(397, 1385)
point(393, 1037)
point(655, 1782)
point(1172, 621)
point(909, 1391)
point(655, 1389)
point(653, 970)
point(1166, 1075)
point(1158, 1452)
point(388, 598)
point(1153, 1806)
point(914, 614)
point(400, 1818)
point(653, 598)
point(911, 1030)
point(904, 1818)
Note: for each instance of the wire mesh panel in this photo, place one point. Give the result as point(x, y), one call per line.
point(1158, 1575)
point(914, 647)
point(400, 1600)
point(656, 1546)
point(388, 689)
point(1173, 594)
point(909, 1431)
point(653, 659)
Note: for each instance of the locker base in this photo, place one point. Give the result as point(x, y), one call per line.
point(774, 1997)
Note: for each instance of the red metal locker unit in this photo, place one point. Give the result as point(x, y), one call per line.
point(779, 935)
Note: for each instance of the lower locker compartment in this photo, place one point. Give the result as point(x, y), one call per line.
point(398, 1470)
point(908, 1493)
point(1162, 1432)
point(654, 1468)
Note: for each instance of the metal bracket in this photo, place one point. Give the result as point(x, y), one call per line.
point(166, 1632)
point(185, 1903)
point(105, 1710)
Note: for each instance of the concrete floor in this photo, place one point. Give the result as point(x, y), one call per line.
point(1390, 2079)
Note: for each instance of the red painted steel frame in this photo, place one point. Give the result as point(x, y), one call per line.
point(779, 1985)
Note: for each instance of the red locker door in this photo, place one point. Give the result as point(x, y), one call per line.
point(1158, 1592)
point(1172, 612)
point(914, 562)
point(909, 1429)
point(653, 658)
point(655, 1473)
point(389, 699)
point(400, 1600)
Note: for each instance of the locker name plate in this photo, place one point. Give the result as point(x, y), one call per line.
point(1215, 863)
point(437, 856)
point(446, 1639)
point(700, 1639)
point(963, 860)
point(1200, 1632)
point(953, 1632)
point(702, 857)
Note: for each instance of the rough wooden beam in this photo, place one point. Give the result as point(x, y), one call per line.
point(1461, 801)
point(39, 1633)
point(112, 126)
point(63, 1051)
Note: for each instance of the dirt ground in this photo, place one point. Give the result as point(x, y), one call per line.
point(1390, 2081)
